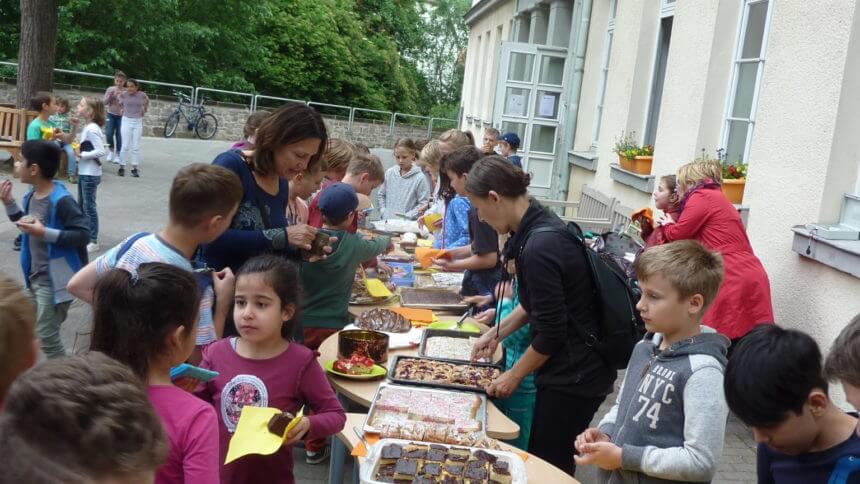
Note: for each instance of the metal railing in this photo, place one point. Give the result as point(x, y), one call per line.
point(254, 100)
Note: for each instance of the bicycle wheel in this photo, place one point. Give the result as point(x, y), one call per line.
point(207, 126)
point(171, 124)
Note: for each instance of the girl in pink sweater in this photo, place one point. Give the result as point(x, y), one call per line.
point(263, 368)
point(148, 320)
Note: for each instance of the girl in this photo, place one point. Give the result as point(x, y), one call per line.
point(148, 321)
point(90, 149)
point(64, 122)
point(134, 104)
point(263, 368)
point(455, 224)
point(288, 142)
point(428, 161)
point(665, 200)
point(405, 189)
point(250, 130)
point(302, 186)
point(704, 214)
point(571, 379)
point(114, 116)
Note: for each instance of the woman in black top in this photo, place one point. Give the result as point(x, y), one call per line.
point(555, 293)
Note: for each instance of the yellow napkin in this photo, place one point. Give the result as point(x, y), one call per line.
point(431, 219)
point(424, 243)
point(425, 256)
point(376, 288)
point(252, 433)
point(47, 133)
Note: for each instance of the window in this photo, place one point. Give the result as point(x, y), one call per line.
point(659, 76)
point(746, 78)
point(604, 74)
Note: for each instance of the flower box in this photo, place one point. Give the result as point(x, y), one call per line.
point(642, 165)
point(733, 189)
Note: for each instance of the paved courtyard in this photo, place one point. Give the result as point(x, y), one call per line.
point(128, 205)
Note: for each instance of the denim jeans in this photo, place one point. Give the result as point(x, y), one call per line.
point(71, 160)
point(113, 125)
point(49, 317)
point(87, 187)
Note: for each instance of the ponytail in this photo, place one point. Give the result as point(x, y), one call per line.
point(497, 174)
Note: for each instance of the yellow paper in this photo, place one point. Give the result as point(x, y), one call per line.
point(252, 434)
point(424, 243)
point(376, 288)
point(47, 133)
point(430, 220)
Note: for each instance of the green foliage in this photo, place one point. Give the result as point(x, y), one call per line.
point(379, 54)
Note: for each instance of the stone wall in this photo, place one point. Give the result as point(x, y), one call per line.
point(231, 120)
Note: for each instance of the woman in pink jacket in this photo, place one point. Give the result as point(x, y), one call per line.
point(707, 216)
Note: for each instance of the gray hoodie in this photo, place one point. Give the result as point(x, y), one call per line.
point(670, 416)
point(403, 194)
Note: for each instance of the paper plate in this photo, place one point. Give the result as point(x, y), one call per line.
point(452, 325)
point(377, 372)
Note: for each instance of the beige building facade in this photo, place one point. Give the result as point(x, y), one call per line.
point(773, 83)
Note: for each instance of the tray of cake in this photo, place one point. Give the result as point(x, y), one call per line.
point(438, 299)
point(447, 344)
point(444, 374)
point(430, 415)
point(399, 460)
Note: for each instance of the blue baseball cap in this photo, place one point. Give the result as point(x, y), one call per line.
point(511, 139)
point(338, 200)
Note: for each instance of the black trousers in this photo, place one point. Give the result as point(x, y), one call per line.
point(558, 419)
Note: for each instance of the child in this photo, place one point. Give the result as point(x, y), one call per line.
point(665, 200)
point(491, 139)
point(405, 189)
point(508, 146)
point(90, 150)
point(328, 283)
point(134, 105)
point(453, 139)
point(40, 127)
point(19, 347)
point(363, 174)
point(455, 223)
point(843, 362)
point(203, 200)
point(81, 419)
point(428, 161)
point(113, 126)
point(250, 130)
point(480, 259)
point(62, 121)
point(337, 156)
point(774, 383)
point(55, 236)
point(263, 368)
point(147, 320)
point(302, 186)
point(668, 422)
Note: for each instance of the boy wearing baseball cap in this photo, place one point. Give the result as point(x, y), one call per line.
point(509, 143)
point(328, 283)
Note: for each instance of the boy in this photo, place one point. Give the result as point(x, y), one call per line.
point(668, 421)
point(63, 121)
point(82, 419)
point(774, 384)
point(55, 237)
point(491, 139)
point(203, 200)
point(40, 127)
point(480, 259)
point(19, 347)
point(363, 174)
point(843, 362)
point(303, 186)
point(328, 283)
point(508, 146)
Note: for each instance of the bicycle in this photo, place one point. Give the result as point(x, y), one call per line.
point(204, 124)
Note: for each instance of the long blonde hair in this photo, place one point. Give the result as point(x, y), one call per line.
point(98, 109)
point(431, 154)
point(696, 171)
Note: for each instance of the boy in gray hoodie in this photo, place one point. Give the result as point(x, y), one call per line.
point(669, 419)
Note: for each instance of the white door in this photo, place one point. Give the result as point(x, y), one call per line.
point(529, 99)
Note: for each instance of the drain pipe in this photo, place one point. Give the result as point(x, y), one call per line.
point(581, 41)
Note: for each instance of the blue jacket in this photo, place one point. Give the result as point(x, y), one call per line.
point(67, 234)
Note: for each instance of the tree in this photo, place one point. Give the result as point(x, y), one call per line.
point(36, 49)
point(446, 36)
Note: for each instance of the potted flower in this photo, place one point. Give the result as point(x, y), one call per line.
point(643, 159)
point(626, 148)
point(734, 181)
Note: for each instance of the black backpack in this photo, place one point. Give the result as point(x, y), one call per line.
point(620, 326)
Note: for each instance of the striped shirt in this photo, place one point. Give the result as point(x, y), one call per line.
point(152, 248)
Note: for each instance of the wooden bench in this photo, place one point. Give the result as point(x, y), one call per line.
point(13, 130)
point(593, 212)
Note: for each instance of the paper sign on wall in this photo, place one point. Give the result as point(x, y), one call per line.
point(546, 109)
point(516, 105)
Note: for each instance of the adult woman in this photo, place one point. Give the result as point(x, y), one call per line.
point(556, 297)
point(707, 216)
point(289, 140)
